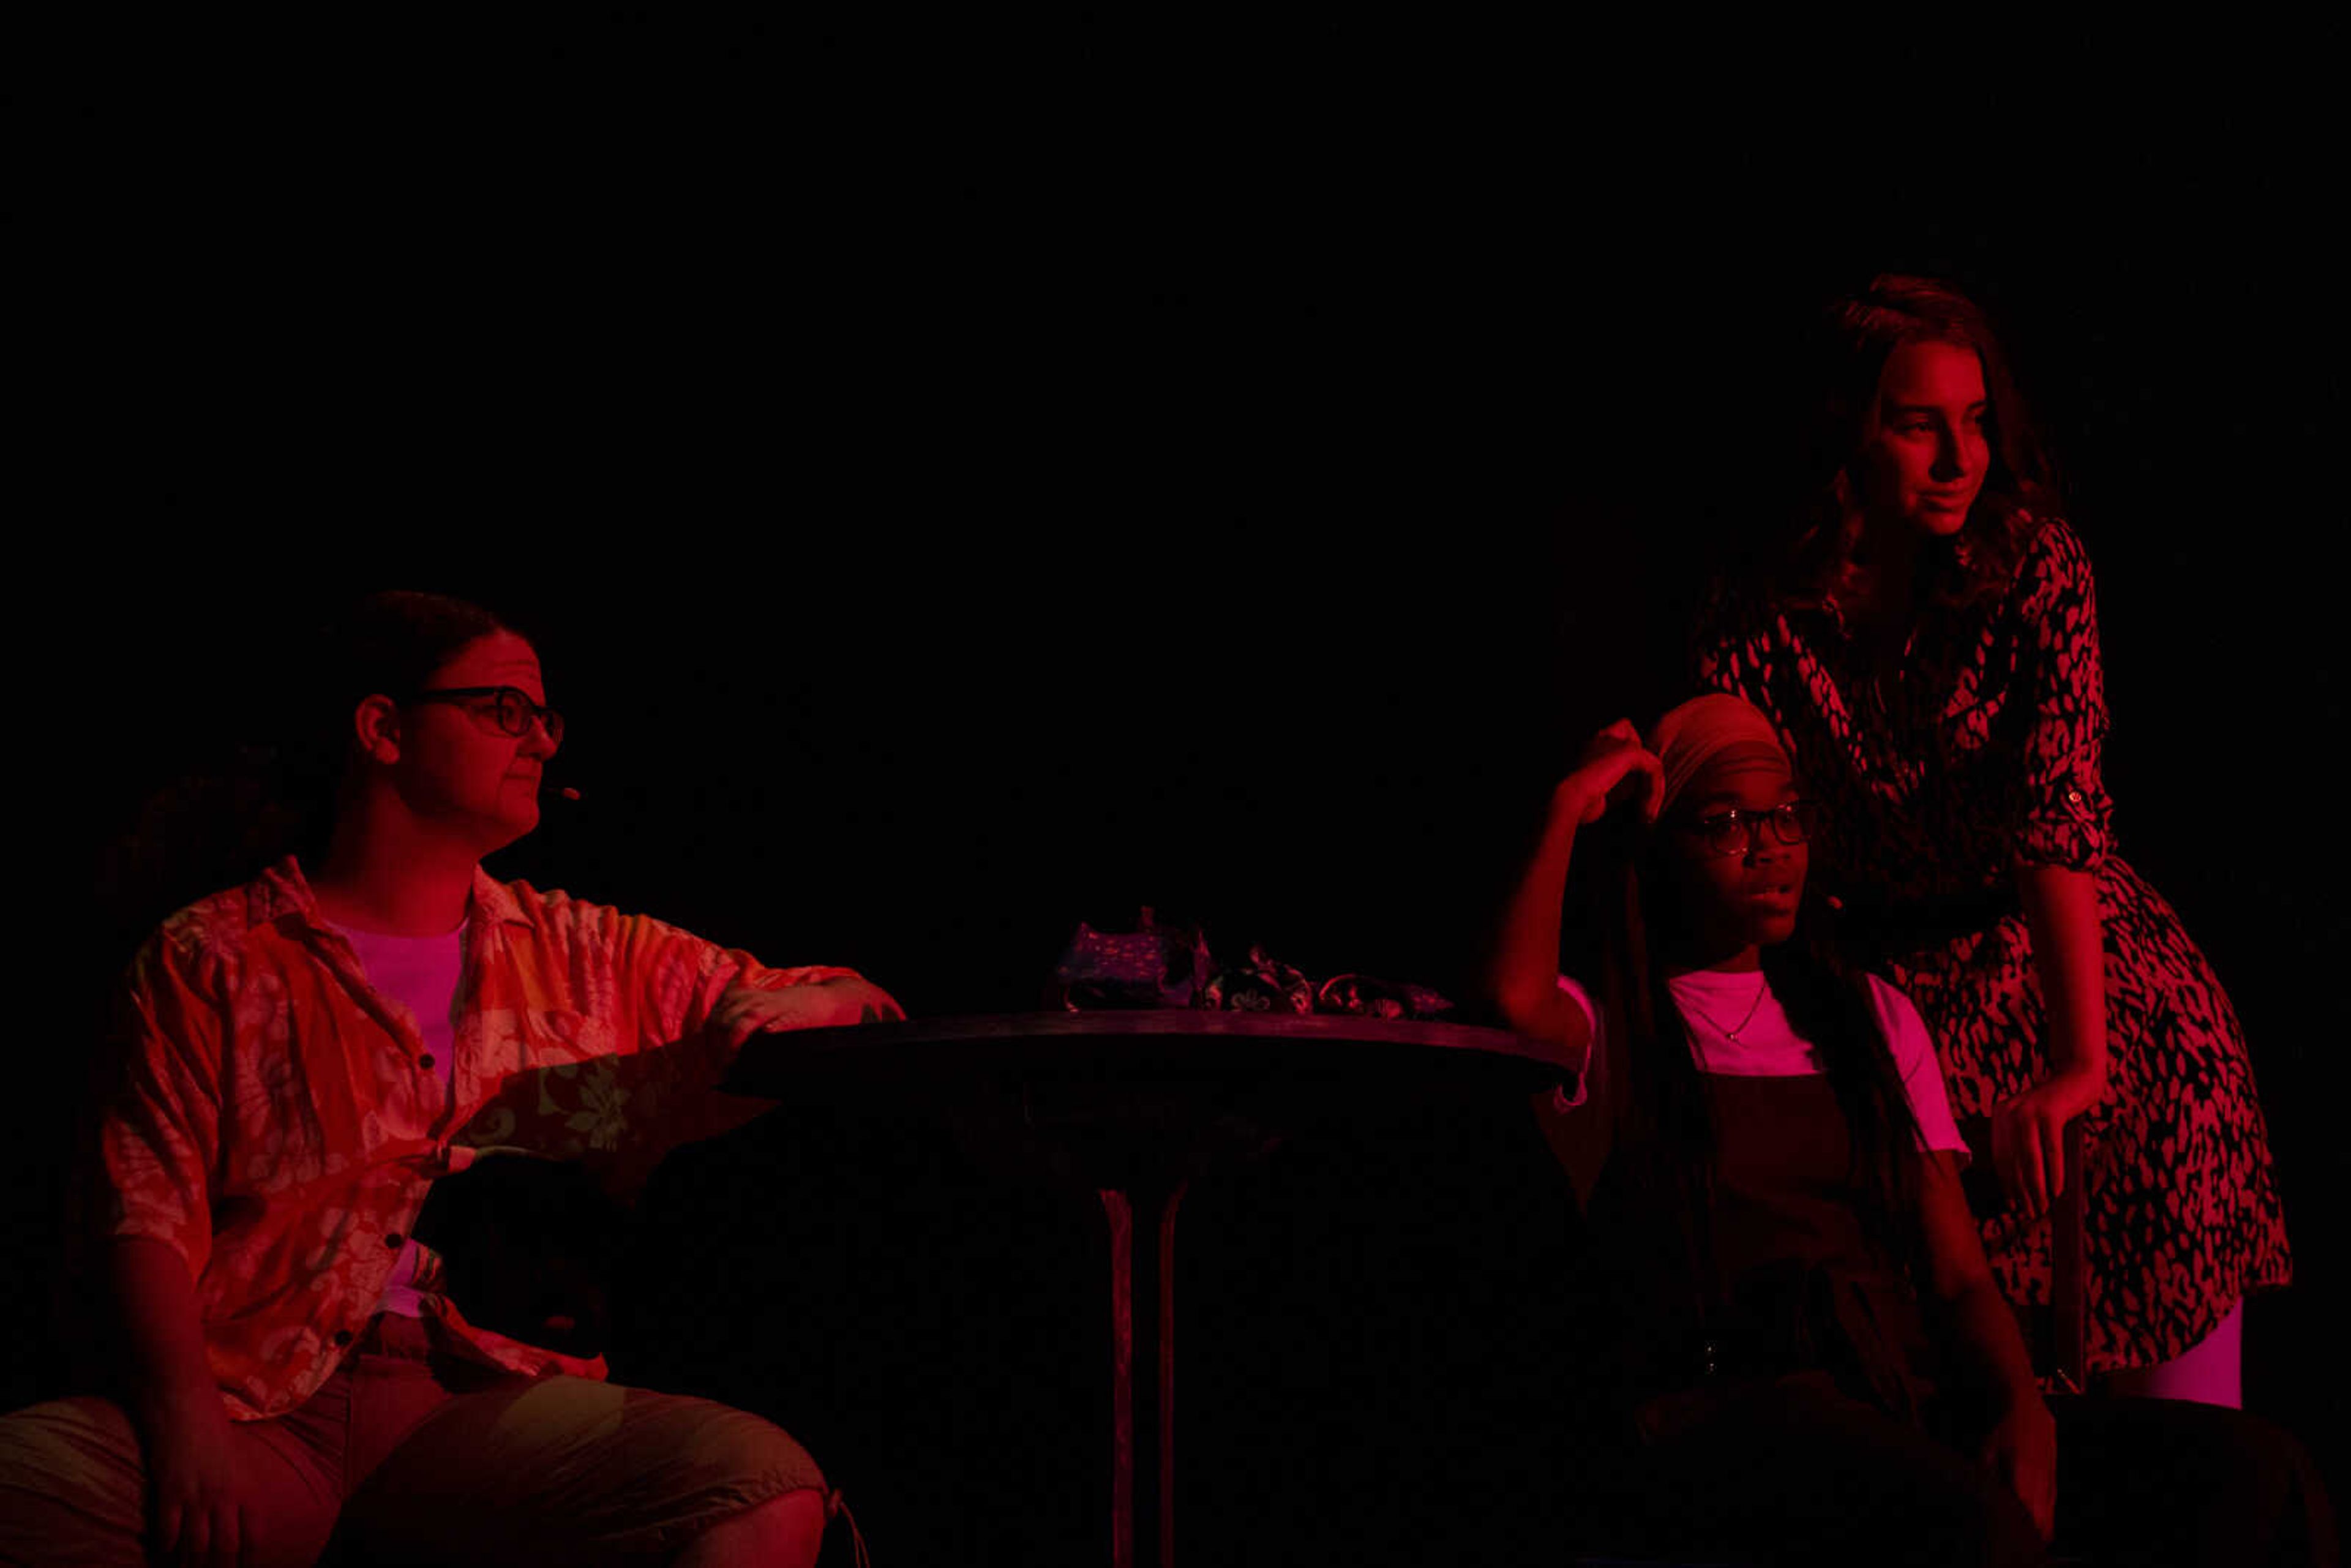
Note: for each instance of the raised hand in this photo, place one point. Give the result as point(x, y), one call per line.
point(1616, 769)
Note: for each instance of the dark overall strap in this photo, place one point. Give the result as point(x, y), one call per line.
point(1798, 1287)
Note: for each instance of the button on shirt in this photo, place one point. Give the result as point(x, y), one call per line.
point(279, 1126)
point(419, 975)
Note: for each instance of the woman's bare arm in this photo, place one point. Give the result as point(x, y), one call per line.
point(2061, 908)
point(2022, 1442)
point(1523, 975)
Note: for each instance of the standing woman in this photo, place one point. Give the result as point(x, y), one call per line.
point(1789, 1345)
point(1929, 646)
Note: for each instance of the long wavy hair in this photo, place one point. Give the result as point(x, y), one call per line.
point(1818, 560)
point(1659, 1111)
point(230, 815)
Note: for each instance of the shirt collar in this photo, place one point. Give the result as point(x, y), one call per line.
point(495, 902)
point(282, 890)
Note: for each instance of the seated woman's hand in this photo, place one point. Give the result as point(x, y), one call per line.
point(746, 1011)
point(1615, 769)
point(2023, 1451)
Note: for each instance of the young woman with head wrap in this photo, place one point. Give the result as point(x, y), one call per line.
point(1795, 1345)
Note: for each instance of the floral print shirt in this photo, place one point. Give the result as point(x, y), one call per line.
point(280, 1121)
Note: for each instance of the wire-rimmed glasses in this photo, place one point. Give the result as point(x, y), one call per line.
point(1739, 831)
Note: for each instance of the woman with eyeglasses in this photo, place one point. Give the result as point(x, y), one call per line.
point(1792, 1349)
point(306, 1055)
point(1926, 637)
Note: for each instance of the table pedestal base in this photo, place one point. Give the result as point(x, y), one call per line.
point(1142, 1376)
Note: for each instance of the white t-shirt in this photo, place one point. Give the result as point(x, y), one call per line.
point(1716, 1004)
point(420, 973)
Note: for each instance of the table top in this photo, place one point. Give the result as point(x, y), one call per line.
point(1165, 1046)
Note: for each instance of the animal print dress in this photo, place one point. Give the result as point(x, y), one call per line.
point(1981, 754)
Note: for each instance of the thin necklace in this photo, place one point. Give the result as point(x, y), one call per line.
point(1762, 984)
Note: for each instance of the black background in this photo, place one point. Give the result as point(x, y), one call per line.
point(967, 485)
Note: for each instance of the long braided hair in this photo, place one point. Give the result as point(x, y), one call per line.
point(1663, 1122)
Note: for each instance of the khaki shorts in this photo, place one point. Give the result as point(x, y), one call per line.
point(403, 1460)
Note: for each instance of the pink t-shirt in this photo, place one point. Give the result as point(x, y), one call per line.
point(1716, 1004)
point(421, 974)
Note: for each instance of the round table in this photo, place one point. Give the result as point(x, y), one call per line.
point(1132, 1105)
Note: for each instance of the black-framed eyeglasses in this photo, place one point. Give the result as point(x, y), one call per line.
point(1736, 831)
point(513, 708)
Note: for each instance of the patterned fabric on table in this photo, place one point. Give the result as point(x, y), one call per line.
point(280, 1123)
point(1978, 755)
